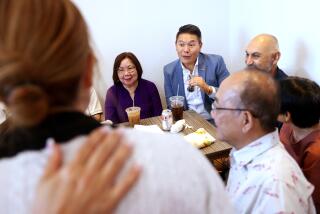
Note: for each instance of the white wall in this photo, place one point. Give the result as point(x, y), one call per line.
point(147, 28)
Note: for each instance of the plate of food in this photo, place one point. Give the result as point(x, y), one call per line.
point(200, 138)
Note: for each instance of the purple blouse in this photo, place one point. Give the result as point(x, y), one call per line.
point(118, 99)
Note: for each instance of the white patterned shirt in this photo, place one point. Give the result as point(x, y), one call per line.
point(265, 179)
point(176, 178)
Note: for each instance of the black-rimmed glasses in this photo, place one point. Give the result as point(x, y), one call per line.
point(214, 108)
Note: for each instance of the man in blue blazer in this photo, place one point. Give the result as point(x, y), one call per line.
point(195, 75)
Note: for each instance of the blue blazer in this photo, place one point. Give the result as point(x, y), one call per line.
point(211, 68)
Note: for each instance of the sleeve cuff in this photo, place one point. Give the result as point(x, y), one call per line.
point(213, 93)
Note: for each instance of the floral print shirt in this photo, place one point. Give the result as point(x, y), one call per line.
point(264, 178)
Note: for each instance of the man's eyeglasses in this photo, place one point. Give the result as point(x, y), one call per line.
point(129, 69)
point(214, 108)
point(190, 45)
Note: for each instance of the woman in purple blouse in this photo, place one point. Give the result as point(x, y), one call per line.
point(129, 86)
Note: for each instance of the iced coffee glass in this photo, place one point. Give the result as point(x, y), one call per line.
point(176, 104)
point(133, 115)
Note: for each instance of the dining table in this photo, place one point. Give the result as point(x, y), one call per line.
point(194, 121)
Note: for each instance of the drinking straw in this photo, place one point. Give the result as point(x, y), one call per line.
point(133, 100)
point(175, 101)
point(178, 90)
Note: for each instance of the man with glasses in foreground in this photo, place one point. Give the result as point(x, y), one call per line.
point(263, 177)
point(195, 75)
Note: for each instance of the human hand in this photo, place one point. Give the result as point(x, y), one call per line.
point(88, 183)
point(199, 81)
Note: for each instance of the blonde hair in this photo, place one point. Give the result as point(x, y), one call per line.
point(44, 47)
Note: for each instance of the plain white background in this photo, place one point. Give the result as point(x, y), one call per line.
point(148, 28)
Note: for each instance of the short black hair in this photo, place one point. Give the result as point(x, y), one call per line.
point(301, 98)
point(190, 29)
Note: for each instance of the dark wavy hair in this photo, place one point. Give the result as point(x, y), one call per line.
point(118, 61)
point(301, 98)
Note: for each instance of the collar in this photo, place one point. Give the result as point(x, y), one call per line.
point(202, 62)
point(280, 75)
point(248, 153)
point(195, 68)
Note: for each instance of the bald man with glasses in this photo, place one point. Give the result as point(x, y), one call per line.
point(263, 177)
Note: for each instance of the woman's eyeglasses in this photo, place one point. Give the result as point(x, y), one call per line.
point(129, 69)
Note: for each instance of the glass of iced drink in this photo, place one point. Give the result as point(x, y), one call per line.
point(177, 103)
point(133, 115)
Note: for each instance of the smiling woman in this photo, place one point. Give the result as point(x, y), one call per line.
point(130, 89)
